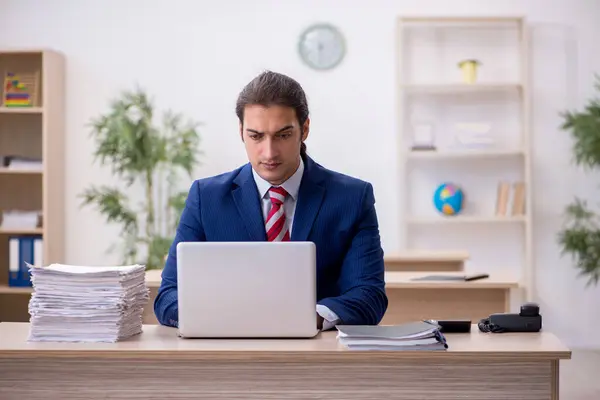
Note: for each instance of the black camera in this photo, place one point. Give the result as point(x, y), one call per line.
point(528, 320)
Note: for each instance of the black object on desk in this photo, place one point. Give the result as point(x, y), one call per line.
point(452, 325)
point(454, 278)
point(528, 319)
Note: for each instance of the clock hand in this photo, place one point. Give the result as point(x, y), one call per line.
point(320, 49)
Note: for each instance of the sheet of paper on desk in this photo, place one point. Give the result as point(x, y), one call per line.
point(87, 304)
point(410, 336)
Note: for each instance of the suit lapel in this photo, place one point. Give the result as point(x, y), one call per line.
point(247, 201)
point(310, 197)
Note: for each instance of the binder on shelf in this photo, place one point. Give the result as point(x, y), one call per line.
point(23, 250)
point(518, 205)
point(502, 199)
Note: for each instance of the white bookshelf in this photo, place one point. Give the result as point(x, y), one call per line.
point(432, 92)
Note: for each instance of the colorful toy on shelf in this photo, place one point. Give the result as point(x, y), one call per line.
point(469, 70)
point(448, 199)
point(19, 90)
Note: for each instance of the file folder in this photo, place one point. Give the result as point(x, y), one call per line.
point(23, 250)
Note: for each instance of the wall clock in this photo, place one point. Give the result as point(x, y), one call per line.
point(322, 46)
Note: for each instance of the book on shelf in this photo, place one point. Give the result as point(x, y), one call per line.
point(412, 336)
point(23, 250)
point(504, 202)
point(518, 206)
point(502, 199)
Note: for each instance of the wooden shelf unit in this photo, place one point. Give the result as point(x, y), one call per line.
point(426, 261)
point(35, 131)
point(432, 93)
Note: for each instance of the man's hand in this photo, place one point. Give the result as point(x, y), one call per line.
point(319, 322)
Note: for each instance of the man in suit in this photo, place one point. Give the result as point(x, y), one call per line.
point(282, 194)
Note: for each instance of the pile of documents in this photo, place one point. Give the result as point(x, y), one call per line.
point(411, 336)
point(87, 304)
point(21, 219)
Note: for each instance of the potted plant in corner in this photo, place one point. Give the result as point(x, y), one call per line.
point(581, 235)
point(149, 158)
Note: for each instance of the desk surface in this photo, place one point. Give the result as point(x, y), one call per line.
point(395, 280)
point(153, 277)
point(162, 342)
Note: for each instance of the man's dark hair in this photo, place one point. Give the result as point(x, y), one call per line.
point(272, 88)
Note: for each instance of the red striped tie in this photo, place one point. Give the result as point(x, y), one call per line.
point(276, 227)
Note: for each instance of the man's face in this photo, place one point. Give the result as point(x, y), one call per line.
point(272, 138)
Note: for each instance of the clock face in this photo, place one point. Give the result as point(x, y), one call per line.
point(322, 46)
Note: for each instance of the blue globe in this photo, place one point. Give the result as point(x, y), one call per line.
point(448, 199)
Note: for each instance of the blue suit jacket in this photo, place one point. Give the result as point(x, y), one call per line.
point(335, 211)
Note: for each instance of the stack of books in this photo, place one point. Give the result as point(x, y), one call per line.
point(87, 304)
point(411, 336)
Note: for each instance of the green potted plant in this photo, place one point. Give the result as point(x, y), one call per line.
point(580, 236)
point(147, 157)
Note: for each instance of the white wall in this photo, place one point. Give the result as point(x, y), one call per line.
point(216, 47)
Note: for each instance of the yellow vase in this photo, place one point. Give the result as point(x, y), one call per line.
point(469, 70)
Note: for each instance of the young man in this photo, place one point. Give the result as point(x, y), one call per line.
point(282, 194)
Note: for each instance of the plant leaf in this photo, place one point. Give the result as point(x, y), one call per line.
point(182, 142)
point(580, 237)
point(584, 128)
point(177, 204)
point(158, 248)
point(112, 204)
point(131, 144)
point(126, 138)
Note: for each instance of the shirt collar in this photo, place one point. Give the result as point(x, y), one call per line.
point(292, 185)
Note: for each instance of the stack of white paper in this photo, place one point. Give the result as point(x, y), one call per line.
point(410, 336)
point(20, 219)
point(87, 304)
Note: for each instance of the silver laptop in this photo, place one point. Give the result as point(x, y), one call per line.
point(246, 289)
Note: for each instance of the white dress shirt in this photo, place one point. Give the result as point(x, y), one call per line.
point(292, 185)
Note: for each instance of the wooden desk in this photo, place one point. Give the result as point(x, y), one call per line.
point(158, 365)
point(415, 300)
